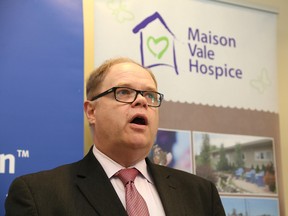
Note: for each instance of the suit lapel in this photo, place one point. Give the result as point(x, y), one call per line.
point(167, 188)
point(94, 184)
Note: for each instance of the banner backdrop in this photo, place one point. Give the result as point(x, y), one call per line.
point(41, 87)
point(216, 65)
point(201, 52)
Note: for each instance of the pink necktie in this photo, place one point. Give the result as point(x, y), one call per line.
point(135, 204)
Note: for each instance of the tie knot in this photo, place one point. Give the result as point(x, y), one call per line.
point(127, 175)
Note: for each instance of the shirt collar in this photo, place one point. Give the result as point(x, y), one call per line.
point(111, 167)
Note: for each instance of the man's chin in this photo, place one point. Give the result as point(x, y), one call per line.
point(139, 144)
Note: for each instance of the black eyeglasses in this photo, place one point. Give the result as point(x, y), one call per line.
point(129, 95)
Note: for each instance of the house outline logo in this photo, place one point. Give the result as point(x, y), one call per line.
point(148, 44)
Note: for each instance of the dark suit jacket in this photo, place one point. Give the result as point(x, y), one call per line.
point(83, 188)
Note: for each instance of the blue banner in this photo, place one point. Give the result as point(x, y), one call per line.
point(41, 87)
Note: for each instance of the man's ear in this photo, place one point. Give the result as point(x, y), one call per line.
point(89, 110)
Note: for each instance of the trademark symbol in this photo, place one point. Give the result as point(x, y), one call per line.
point(23, 153)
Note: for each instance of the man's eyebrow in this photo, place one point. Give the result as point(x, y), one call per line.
point(151, 89)
point(128, 85)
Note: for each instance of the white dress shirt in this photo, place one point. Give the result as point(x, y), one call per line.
point(143, 183)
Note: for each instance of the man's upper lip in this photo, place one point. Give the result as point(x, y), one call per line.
point(139, 116)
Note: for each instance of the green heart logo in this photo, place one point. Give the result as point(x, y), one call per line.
point(157, 46)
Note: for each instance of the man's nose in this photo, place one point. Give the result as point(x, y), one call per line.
point(140, 100)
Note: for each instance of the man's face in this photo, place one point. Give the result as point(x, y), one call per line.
point(117, 133)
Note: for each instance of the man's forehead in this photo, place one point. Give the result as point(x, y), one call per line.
point(126, 66)
point(127, 69)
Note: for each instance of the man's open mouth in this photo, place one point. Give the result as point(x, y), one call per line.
point(140, 120)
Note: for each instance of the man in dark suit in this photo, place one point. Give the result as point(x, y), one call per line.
point(122, 110)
